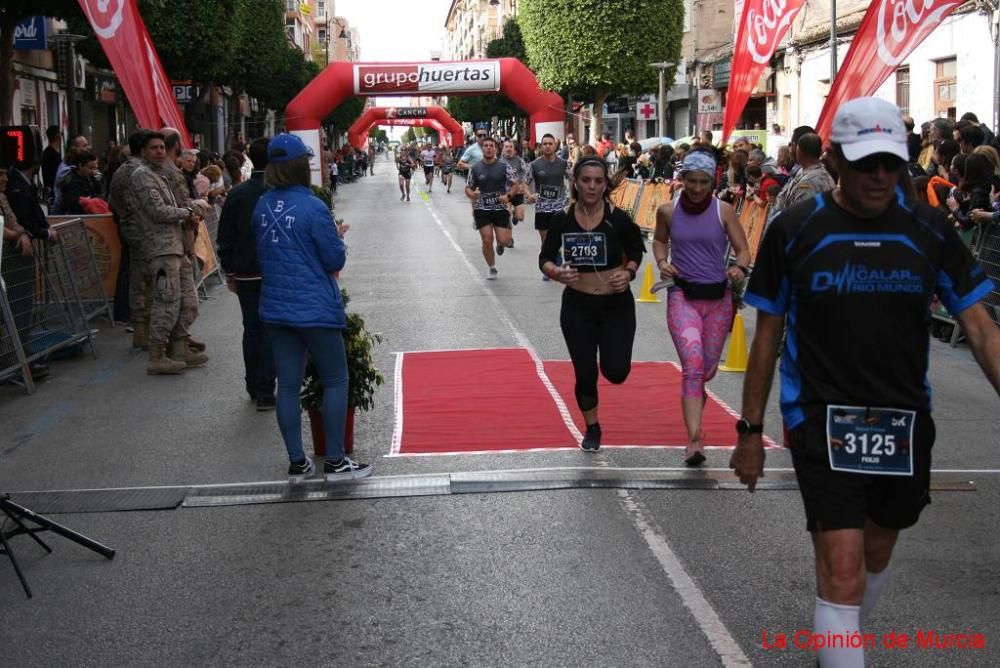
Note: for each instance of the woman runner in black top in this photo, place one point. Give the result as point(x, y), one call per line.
point(602, 249)
point(405, 166)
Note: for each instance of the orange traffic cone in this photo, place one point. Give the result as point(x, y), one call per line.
point(736, 356)
point(646, 295)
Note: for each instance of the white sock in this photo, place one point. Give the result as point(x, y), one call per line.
point(874, 586)
point(836, 621)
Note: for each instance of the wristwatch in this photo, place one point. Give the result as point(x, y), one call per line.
point(631, 272)
point(743, 427)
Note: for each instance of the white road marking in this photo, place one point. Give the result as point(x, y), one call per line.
point(519, 336)
point(704, 614)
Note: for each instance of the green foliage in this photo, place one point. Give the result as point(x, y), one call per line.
point(408, 136)
point(324, 194)
point(363, 377)
point(593, 48)
point(379, 135)
point(346, 113)
point(470, 108)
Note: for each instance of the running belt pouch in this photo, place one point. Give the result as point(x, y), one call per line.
point(697, 291)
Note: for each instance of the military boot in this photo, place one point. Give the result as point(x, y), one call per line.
point(159, 363)
point(196, 346)
point(180, 350)
point(139, 336)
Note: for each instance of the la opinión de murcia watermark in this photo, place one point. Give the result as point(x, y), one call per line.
point(923, 639)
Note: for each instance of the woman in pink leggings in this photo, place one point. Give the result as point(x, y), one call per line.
point(695, 231)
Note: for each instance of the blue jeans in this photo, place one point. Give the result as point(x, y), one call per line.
point(326, 346)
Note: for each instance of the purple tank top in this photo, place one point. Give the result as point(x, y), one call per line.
point(698, 244)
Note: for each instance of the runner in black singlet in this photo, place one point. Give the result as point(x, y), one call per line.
point(850, 275)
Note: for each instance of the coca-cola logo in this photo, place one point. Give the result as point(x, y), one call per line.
point(105, 16)
point(766, 27)
point(902, 24)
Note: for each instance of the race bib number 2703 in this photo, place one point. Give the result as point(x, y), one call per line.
point(874, 441)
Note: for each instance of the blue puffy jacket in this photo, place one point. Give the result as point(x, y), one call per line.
point(298, 248)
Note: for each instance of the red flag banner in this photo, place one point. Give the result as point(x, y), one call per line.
point(123, 36)
point(889, 32)
point(762, 26)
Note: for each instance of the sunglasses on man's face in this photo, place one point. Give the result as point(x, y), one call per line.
point(868, 164)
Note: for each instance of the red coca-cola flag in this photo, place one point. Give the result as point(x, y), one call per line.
point(763, 24)
point(123, 36)
point(888, 33)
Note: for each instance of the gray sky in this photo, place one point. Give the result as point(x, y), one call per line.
point(394, 30)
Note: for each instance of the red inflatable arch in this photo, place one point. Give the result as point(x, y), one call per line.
point(343, 79)
point(442, 131)
point(358, 134)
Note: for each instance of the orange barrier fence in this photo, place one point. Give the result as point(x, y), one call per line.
point(650, 199)
point(753, 218)
point(626, 195)
point(105, 242)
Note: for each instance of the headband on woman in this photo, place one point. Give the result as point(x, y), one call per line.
point(699, 161)
point(587, 162)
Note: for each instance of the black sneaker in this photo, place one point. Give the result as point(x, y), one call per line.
point(346, 469)
point(299, 471)
point(265, 403)
point(500, 248)
point(592, 439)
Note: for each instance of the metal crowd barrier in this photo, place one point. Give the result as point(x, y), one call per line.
point(78, 259)
point(41, 304)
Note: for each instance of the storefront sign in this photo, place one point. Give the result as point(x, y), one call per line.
point(184, 91)
point(29, 34)
point(105, 89)
point(709, 101)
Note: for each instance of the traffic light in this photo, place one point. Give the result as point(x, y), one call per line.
point(20, 145)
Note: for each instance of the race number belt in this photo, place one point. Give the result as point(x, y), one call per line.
point(549, 192)
point(875, 441)
point(586, 249)
point(490, 199)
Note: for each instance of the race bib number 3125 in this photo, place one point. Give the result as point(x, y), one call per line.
point(875, 441)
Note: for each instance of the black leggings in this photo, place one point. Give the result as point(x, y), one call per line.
point(592, 323)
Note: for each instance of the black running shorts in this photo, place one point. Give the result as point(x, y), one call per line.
point(542, 220)
point(840, 500)
point(495, 218)
point(517, 200)
point(428, 170)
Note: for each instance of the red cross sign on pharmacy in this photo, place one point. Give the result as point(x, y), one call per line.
point(647, 111)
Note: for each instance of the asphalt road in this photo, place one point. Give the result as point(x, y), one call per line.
point(559, 578)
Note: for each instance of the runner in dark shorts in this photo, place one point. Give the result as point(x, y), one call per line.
point(848, 276)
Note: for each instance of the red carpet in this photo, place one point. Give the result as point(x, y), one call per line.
point(463, 401)
point(477, 401)
point(646, 408)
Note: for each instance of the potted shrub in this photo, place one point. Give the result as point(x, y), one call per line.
point(363, 379)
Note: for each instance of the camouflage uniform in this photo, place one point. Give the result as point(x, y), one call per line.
point(161, 221)
point(129, 229)
point(806, 183)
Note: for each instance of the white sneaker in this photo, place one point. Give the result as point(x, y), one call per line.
point(492, 274)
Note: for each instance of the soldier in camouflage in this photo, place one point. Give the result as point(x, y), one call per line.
point(128, 229)
point(193, 351)
point(161, 221)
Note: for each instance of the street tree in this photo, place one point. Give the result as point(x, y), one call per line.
point(343, 117)
point(379, 135)
point(471, 108)
point(13, 12)
point(593, 48)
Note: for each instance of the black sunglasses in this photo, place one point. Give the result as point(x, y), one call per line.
point(870, 163)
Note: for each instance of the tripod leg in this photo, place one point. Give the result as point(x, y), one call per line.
point(78, 538)
point(13, 560)
point(23, 529)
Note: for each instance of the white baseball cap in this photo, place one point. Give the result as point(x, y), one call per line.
point(867, 125)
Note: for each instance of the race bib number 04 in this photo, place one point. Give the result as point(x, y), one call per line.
point(874, 441)
point(589, 249)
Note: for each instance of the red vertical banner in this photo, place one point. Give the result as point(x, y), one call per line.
point(887, 35)
point(761, 28)
point(123, 36)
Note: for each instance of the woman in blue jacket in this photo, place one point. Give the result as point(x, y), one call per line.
point(299, 248)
